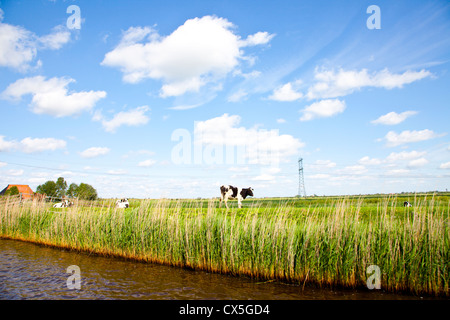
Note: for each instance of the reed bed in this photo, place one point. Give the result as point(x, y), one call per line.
point(328, 244)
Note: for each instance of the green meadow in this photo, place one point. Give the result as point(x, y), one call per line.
point(321, 241)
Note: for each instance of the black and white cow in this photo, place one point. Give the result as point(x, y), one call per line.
point(64, 204)
point(407, 204)
point(230, 192)
point(122, 203)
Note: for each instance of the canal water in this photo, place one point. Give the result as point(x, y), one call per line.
point(34, 272)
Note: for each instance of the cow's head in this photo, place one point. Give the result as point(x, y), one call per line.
point(250, 192)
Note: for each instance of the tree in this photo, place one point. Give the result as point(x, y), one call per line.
point(86, 192)
point(61, 186)
point(72, 191)
point(12, 191)
point(48, 188)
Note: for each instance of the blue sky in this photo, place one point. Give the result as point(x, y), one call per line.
point(153, 99)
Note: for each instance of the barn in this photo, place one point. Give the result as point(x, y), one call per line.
point(24, 190)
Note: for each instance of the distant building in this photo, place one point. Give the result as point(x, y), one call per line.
point(24, 190)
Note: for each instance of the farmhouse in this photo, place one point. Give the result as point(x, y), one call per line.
point(24, 190)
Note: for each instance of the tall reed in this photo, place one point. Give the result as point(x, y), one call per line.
point(327, 245)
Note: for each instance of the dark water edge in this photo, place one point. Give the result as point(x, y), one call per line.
point(35, 272)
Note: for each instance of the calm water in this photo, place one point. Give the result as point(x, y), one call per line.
point(29, 271)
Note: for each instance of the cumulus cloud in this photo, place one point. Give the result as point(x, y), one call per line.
point(331, 84)
point(19, 47)
point(445, 165)
point(259, 146)
point(287, 92)
point(52, 97)
point(323, 108)
point(393, 118)
point(200, 51)
point(134, 117)
point(394, 139)
point(32, 145)
point(94, 152)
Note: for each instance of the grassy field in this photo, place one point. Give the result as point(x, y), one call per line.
point(326, 241)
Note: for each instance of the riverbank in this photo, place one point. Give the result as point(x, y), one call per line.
point(330, 244)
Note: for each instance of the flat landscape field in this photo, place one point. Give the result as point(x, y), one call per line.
point(323, 241)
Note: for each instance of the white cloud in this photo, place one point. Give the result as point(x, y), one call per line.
point(19, 47)
point(258, 145)
point(404, 155)
point(2, 164)
point(238, 96)
point(356, 169)
point(146, 163)
point(445, 165)
point(331, 84)
point(51, 96)
point(15, 173)
point(94, 152)
point(210, 50)
point(55, 40)
point(257, 39)
point(323, 108)
point(281, 120)
point(369, 161)
point(6, 145)
point(417, 163)
point(287, 92)
point(393, 118)
point(134, 117)
point(320, 164)
point(31, 145)
point(394, 139)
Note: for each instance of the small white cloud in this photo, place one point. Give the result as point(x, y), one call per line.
point(417, 163)
point(94, 152)
point(14, 173)
point(32, 145)
point(147, 163)
point(322, 109)
point(257, 39)
point(394, 139)
point(393, 118)
point(369, 161)
point(320, 164)
point(445, 165)
point(281, 120)
point(134, 117)
point(405, 155)
point(51, 96)
point(287, 92)
point(238, 96)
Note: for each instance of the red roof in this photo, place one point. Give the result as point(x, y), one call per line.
point(24, 189)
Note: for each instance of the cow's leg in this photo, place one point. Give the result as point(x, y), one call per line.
point(239, 203)
point(226, 201)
